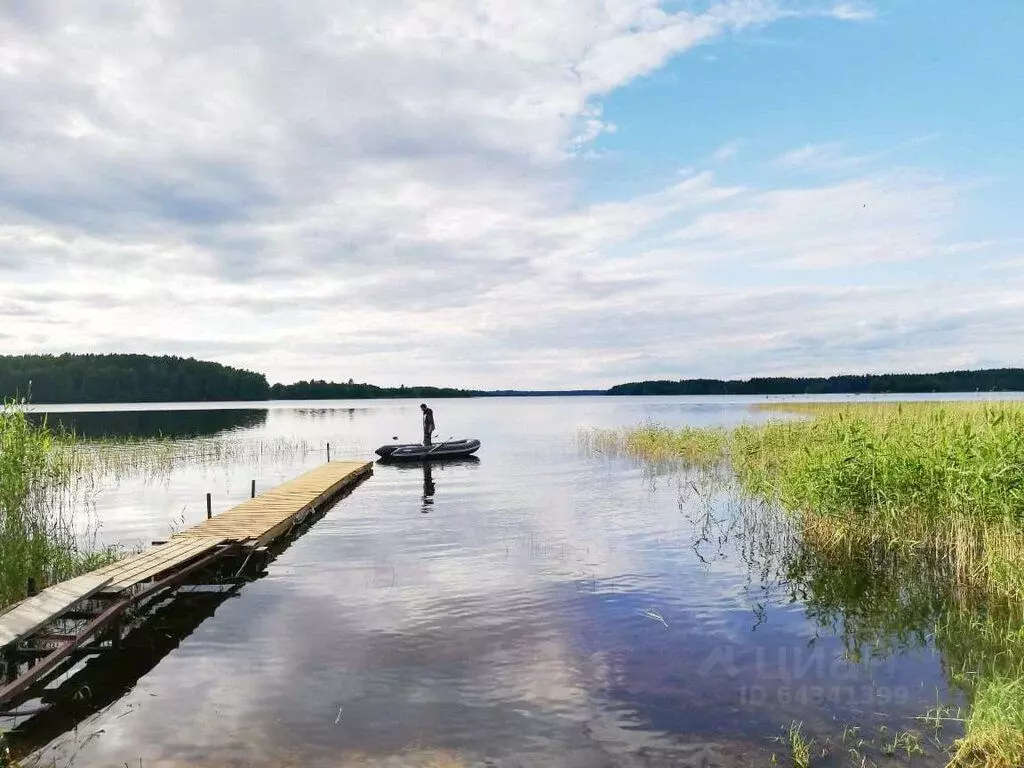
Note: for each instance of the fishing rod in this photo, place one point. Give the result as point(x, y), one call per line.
point(450, 439)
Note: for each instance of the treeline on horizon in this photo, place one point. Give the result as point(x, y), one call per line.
point(991, 380)
point(329, 390)
point(128, 378)
point(116, 378)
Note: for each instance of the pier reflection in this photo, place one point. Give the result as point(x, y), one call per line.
point(104, 672)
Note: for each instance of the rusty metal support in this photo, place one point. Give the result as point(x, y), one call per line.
point(53, 637)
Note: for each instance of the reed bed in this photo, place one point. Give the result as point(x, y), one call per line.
point(40, 489)
point(652, 442)
point(946, 477)
point(936, 486)
point(994, 728)
point(154, 460)
point(49, 478)
point(926, 476)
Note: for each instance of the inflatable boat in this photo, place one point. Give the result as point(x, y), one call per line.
point(451, 449)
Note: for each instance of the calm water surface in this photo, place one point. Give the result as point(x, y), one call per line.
point(538, 606)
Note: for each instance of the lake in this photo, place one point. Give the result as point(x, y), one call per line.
point(537, 606)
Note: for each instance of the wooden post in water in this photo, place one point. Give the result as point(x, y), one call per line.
point(253, 496)
point(328, 453)
point(209, 507)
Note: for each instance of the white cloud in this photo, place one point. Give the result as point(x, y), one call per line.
point(387, 191)
point(870, 218)
point(823, 157)
point(853, 12)
point(726, 152)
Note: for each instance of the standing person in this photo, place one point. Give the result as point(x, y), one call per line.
point(428, 423)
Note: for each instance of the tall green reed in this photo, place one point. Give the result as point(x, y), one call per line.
point(40, 537)
point(942, 476)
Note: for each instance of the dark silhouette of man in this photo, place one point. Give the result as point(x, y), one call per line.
point(428, 487)
point(428, 423)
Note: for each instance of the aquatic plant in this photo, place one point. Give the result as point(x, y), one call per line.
point(994, 730)
point(155, 459)
point(654, 442)
point(909, 522)
point(948, 477)
point(799, 746)
point(39, 538)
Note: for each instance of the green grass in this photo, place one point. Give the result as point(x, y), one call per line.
point(39, 486)
point(994, 730)
point(799, 746)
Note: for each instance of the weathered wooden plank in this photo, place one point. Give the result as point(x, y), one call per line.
point(270, 514)
point(31, 614)
point(259, 521)
point(143, 567)
point(153, 567)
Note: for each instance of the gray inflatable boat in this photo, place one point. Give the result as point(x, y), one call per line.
point(451, 449)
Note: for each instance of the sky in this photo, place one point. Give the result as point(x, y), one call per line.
point(527, 194)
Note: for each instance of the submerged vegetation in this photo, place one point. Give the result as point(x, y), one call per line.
point(904, 528)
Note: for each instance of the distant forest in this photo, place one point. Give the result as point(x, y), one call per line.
point(147, 379)
point(124, 379)
point(72, 378)
point(993, 380)
point(329, 390)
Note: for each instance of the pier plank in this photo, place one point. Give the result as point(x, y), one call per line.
point(270, 514)
point(136, 569)
point(257, 521)
point(29, 615)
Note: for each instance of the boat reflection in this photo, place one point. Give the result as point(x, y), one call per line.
point(428, 487)
point(427, 468)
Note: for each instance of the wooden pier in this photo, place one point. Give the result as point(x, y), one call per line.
point(94, 603)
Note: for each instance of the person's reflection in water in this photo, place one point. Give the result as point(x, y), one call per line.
point(428, 487)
